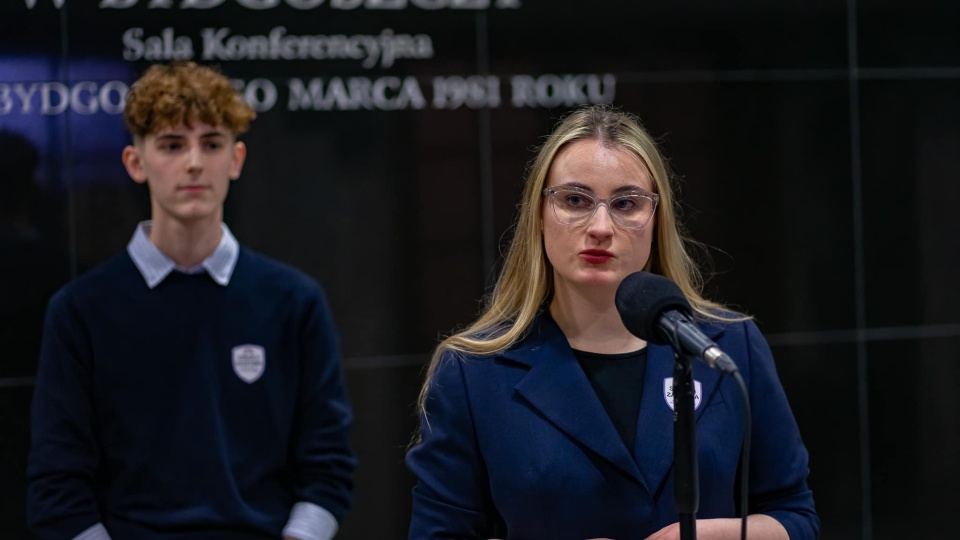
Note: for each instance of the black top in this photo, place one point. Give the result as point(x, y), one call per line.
point(618, 381)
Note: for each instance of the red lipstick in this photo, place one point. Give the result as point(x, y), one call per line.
point(596, 256)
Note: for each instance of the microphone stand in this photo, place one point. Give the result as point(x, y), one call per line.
point(687, 486)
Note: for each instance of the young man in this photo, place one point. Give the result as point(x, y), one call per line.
point(189, 388)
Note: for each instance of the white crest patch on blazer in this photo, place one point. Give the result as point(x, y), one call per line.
point(668, 392)
point(249, 362)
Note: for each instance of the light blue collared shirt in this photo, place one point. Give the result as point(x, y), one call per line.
point(155, 266)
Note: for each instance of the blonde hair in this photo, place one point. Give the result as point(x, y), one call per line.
point(181, 93)
point(525, 282)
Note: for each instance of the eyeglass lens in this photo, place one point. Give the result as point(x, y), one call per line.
point(630, 211)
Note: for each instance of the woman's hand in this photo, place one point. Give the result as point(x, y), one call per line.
point(759, 527)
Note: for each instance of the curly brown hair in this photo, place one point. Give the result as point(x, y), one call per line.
point(182, 93)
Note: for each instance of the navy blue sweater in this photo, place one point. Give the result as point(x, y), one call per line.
point(141, 421)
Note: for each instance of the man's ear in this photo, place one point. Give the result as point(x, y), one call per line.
point(133, 161)
point(239, 155)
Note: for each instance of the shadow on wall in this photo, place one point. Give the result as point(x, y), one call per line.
point(32, 267)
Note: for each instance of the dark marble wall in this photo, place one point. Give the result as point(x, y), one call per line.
point(816, 141)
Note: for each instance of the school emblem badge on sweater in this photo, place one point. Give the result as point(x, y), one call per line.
point(249, 361)
point(668, 392)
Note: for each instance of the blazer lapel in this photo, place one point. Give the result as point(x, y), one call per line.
point(559, 390)
point(654, 444)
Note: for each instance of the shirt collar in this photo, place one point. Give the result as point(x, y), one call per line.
point(154, 266)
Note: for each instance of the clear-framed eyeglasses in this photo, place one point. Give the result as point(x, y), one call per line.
point(629, 210)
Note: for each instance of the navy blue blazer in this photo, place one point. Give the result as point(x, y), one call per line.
point(519, 446)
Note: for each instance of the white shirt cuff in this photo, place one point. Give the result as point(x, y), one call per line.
point(310, 522)
point(96, 532)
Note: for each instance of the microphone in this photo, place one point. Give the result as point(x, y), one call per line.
point(654, 309)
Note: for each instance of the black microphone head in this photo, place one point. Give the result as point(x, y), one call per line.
point(642, 297)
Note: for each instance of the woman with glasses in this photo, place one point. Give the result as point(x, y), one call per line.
point(546, 419)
